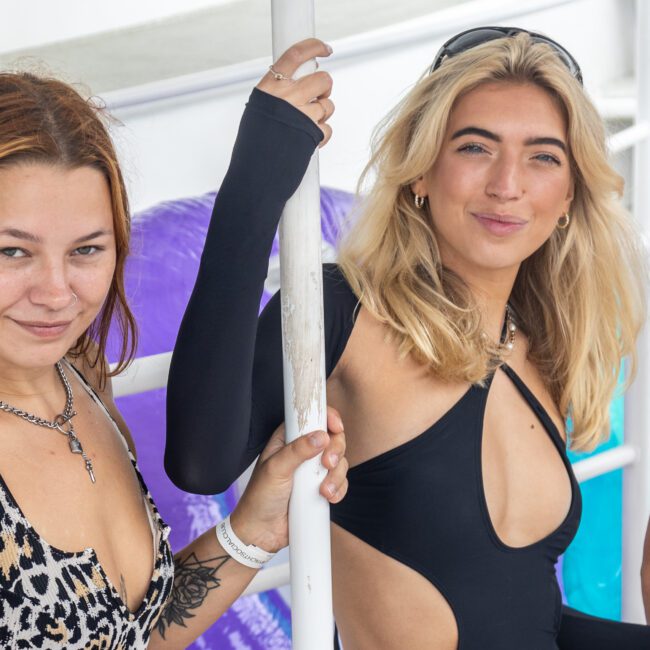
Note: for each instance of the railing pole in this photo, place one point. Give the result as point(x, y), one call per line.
point(304, 372)
point(636, 480)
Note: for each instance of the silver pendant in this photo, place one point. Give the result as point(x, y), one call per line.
point(59, 421)
point(75, 445)
point(89, 469)
point(76, 448)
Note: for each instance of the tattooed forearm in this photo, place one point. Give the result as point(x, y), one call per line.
point(193, 579)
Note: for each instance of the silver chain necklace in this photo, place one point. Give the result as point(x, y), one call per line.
point(61, 420)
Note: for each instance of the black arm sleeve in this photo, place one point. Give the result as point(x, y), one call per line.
point(579, 631)
point(209, 393)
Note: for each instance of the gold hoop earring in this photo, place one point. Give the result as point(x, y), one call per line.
point(419, 201)
point(564, 221)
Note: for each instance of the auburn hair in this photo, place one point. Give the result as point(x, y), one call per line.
point(44, 120)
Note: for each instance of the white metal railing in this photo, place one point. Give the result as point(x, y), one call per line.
point(605, 462)
point(629, 137)
point(636, 479)
point(611, 108)
point(148, 373)
point(270, 578)
point(421, 29)
point(303, 368)
point(145, 373)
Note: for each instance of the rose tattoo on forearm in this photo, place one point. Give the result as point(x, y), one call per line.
point(193, 579)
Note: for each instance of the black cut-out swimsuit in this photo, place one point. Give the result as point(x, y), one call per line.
point(225, 398)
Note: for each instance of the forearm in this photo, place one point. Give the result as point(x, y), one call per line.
point(645, 574)
point(645, 586)
point(209, 391)
point(206, 582)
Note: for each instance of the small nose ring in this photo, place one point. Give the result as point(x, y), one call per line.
point(75, 298)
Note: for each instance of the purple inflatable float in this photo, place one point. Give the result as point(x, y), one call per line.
point(167, 241)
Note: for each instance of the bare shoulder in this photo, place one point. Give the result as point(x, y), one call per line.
point(93, 376)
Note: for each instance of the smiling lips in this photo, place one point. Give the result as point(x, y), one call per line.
point(499, 224)
point(43, 329)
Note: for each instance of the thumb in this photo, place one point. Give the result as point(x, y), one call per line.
point(286, 461)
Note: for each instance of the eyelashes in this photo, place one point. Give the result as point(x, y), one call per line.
point(475, 149)
point(549, 159)
point(472, 148)
point(14, 252)
point(86, 251)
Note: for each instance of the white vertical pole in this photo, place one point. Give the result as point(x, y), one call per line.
point(636, 479)
point(304, 371)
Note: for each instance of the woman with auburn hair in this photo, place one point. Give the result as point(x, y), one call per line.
point(489, 290)
point(85, 560)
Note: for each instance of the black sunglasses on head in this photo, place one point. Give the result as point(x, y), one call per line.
point(476, 36)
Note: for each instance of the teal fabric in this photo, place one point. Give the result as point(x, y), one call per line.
point(592, 564)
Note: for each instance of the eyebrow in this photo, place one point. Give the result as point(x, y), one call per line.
point(474, 130)
point(27, 236)
point(93, 235)
point(20, 234)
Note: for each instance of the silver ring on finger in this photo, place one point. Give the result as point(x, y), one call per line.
point(278, 76)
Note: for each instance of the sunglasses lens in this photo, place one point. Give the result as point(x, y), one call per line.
point(564, 55)
point(468, 40)
point(473, 37)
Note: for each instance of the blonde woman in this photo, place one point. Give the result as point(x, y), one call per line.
point(489, 289)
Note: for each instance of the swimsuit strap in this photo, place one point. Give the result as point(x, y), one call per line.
point(534, 404)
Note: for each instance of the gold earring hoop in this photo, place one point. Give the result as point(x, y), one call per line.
point(419, 201)
point(564, 221)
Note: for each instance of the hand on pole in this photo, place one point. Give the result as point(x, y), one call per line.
point(309, 94)
point(261, 516)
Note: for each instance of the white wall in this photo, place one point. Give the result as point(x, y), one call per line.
point(39, 22)
point(181, 147)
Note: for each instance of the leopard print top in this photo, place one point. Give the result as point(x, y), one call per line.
point(53, 599)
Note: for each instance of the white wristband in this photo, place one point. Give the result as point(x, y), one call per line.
point(247, 554)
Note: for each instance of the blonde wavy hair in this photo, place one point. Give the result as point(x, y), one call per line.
point(580, 298)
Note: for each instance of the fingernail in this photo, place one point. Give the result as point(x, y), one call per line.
point(317, 438)
point(340, 423)
point(334, 459)
point(329, 48)
point(331, 489)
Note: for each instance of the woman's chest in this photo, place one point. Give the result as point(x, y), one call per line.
point(51, 490)
point(494, 445)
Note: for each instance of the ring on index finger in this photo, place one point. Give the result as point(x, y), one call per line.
point(278, 76)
